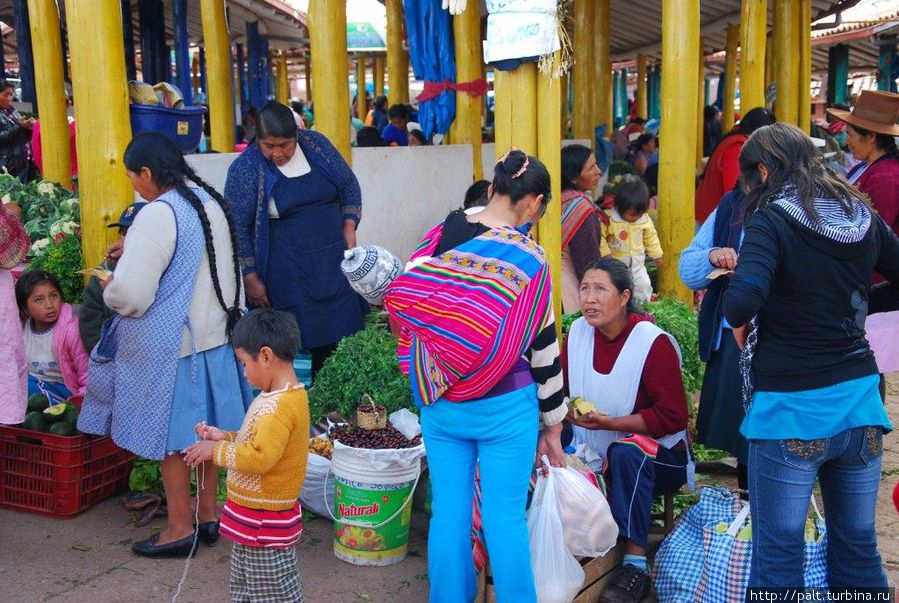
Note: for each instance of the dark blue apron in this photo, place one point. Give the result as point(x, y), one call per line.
point(306, 247)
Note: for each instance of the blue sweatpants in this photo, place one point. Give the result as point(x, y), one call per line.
point(57, 391)
point(500, 434)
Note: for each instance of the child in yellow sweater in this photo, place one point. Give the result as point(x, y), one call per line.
point(629, 235)
point(266, 462)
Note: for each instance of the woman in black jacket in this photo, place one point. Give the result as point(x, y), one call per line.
point(812, 243)
point(15, 136)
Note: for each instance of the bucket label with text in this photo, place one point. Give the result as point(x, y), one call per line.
point(372, 504)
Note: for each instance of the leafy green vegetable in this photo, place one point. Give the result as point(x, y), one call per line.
point(703, 454)
point(64, 260)
point(364, 363)
point(146, 476)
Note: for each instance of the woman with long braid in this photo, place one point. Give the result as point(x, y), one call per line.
point(164, 363)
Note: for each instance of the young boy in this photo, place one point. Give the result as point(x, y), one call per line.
point(630, 236)
point(266, 462)
point(395, 134)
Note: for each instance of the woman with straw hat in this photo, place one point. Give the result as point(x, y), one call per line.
point(871, 128)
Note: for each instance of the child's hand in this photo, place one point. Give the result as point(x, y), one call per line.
point(659, 262)
point(199, 453)
point(212, 434)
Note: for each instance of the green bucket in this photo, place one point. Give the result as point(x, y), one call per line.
point(373, 503)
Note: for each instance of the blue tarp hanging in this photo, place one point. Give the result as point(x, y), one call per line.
point(433, 55)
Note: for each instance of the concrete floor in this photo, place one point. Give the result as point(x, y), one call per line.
point(88, 558)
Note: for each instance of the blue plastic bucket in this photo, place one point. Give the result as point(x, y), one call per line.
point(184, 127)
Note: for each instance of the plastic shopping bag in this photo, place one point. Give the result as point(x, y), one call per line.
point(318, 488)
point(557, 574)
point(587, 522)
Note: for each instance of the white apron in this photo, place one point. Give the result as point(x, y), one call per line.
point(615, 393)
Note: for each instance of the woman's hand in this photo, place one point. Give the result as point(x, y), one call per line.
point(199, 453)
point(740, 334)
point(212, 434)
point(256, 292)
point(550, 444)
point(723, 257)
point(115, 251)
point(349, 233)
point(105, 283)
point(591, 420)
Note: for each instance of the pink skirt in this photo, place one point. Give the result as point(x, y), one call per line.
point(13, 371)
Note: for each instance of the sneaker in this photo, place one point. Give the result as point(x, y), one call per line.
point(628, 585)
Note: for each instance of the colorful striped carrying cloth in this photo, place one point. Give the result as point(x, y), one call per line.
point(469, 314)
point(576, 208)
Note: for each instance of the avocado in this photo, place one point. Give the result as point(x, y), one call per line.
point(71, 414)
point(63, 428)
point(35, 421)
point(37, 402)
point(57, 412)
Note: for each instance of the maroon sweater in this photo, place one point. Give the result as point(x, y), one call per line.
point(661, 400)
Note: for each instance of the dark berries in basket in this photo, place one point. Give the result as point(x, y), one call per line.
point(375, 439)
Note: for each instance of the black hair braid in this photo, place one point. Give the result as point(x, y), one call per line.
point(232, 231)
point(232, 314)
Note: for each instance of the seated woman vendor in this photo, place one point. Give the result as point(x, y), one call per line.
point(617, 359)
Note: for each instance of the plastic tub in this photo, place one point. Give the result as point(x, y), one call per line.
point(184, 127)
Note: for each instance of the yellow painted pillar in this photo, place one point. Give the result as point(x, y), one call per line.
point(549, 150)
point(397, 57)
point(466, 128)
point(753, 25)
point(283, 85)
point(378, 75)
point(361, 96)
point(700, 105)
point(327, 38)
point(217, 41)
point(730, 76)
point(677, 162)
point(805, 65)
point(516, 109)
point(640, 97)
point(95, 30)
point(582, 75)
point(602, 66)
point(48, 79)
point(786, 62)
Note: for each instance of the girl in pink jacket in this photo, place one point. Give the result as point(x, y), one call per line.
point(56, 359)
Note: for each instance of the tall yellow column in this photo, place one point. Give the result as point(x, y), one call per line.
point(217, 41)
point(378, 75)
point(466, 128)
point(805, 65)
point(700, 104)
point(397, 57)
point(602, 66)
point(730, 76)
point(753, 25)
point(95, 30)
point(283, 85)
point(640, 97)
point(786, 61)
point(47, 49)
point(582, 73)
point(327, 38)
point(677, 163)
point(549, 150)
point(516, 109)
point(361, 96)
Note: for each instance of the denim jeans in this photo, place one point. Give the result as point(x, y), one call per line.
point(500, 434)
point(782, 474)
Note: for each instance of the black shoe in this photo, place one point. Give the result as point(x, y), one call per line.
point(186, 547)
point(208, 532)
point(629, 585)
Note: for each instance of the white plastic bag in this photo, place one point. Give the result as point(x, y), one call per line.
point(406, 422)
point(316, 496)
point(557, 574)
point(590, 530)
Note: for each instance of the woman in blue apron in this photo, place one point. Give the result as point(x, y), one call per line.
point(297, 204)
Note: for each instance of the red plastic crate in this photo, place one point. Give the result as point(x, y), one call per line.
point(59, 476)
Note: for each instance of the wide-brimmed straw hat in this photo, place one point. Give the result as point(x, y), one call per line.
point(874, 111)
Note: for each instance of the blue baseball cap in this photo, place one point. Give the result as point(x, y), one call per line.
point(127, 217)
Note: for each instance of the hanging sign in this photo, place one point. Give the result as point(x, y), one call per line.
point(519, 29)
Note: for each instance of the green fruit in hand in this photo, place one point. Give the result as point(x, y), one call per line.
point(35, 421)
point(63, 428)
point(745, 533)
point(37, 402)
point(57, 412)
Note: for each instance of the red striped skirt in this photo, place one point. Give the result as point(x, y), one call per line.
point(255, 527)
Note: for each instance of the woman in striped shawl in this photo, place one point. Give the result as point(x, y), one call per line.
point(479, 344)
